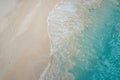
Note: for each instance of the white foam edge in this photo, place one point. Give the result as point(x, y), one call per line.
point(51, 49)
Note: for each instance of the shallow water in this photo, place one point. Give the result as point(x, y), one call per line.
point(85, 40)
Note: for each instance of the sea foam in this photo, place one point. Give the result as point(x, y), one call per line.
point(84, 40)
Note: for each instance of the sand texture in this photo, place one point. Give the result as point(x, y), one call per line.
point(24, 41)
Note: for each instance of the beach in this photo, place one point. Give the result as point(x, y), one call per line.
point(24, 41)
point(59, 39)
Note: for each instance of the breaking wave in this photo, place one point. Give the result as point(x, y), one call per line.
point(85, 40)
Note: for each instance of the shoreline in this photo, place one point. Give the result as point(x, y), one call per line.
point(49, 63)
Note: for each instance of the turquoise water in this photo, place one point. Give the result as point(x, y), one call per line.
point(100, 46)
point(85, 41)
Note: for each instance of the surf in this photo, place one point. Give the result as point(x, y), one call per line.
point(85, 40)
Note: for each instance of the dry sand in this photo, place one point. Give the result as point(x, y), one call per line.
point(24, 42)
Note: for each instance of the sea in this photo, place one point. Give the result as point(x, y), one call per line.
point(85, 40)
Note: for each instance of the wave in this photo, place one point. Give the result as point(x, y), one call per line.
point(84, 40)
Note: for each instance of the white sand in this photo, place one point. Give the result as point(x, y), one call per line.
point(24, 42)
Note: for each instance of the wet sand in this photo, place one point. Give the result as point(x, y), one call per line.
point(24, 42)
